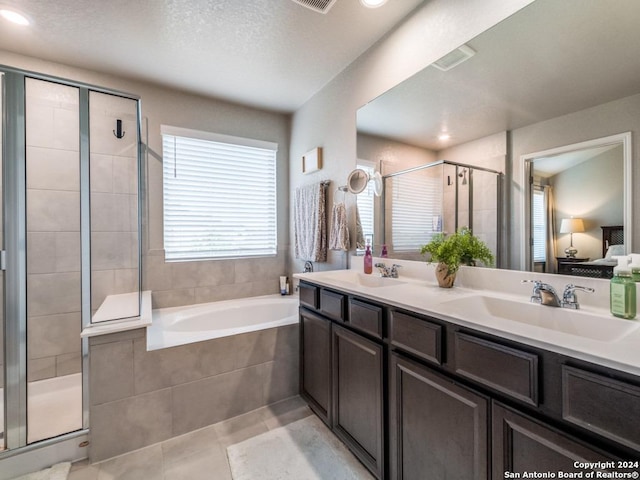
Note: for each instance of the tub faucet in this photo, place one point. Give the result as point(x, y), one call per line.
point(543, 293)
point(386, 271)
point(308, 267)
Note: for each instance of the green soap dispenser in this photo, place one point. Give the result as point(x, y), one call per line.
point(623, 290)
point(635, 266)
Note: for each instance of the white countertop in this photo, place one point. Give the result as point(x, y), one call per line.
point(420, 293)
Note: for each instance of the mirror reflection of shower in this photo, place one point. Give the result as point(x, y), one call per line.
point(440, 197)
point(463, 175)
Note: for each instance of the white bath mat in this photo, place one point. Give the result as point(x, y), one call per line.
point(305, 449)
point(60, 471)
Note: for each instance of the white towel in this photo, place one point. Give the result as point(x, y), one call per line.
point(339, 234)
point(310, 223)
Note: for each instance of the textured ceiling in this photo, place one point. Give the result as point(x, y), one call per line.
point(272, 54)
point(549, 59)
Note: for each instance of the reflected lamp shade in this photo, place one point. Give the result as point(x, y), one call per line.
point(572, 225)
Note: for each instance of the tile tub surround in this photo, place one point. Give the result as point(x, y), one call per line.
point(139, 398)
point(186, 283)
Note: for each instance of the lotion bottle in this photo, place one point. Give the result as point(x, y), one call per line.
point(368, 260)
point(635, 266)
point(623, 290)
point(384, 253)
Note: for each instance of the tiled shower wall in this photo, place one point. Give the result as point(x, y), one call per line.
point(114, 197)
point(53, 230)
point(53, 218)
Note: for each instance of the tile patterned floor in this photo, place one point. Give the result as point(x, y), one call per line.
point(196, 455)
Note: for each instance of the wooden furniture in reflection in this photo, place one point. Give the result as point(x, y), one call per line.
point(612, 235)
point(565, 264)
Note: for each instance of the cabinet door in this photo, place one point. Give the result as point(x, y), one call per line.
point(438, 429)
point(315, 361)
point(521, 444)
point(358, 397)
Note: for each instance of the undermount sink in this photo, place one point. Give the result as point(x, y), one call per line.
point(572, 322)
point(363, 280)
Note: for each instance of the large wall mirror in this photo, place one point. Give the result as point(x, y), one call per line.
point(521, 98)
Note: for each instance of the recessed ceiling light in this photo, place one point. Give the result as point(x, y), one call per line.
point(15, 17)
point(444, 136)
point(373, 3)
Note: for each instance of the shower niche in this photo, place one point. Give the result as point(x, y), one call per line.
point(70, 195)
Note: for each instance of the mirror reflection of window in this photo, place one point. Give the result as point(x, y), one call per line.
point(365, 206)
point(417, 200)
point(539, 228)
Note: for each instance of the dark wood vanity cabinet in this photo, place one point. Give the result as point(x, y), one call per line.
point(459, 403)
point(358, 396)
point(342, 371)
point(437, 428)
point(315, 363)
point(521, 444)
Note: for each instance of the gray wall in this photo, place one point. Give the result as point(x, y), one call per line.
point(593, 191)
point(329, 118)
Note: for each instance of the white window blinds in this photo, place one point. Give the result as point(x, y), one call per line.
point(539, 227)
point(416, 210)
point(219, 195)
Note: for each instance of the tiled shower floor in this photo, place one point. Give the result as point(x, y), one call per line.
point(54, 407)
point(196, 455)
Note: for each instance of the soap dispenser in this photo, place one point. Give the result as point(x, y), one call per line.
point(368, 260)
point(635, 266)
point(623, 290)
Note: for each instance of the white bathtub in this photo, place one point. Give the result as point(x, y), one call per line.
point(195, 323)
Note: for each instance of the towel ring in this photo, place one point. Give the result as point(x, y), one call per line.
point(343, 189)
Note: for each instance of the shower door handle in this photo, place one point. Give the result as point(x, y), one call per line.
point(3, 260)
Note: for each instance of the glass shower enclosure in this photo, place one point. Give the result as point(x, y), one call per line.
point(440, 197)
point(70, 181)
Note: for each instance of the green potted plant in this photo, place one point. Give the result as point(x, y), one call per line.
point(451, 251)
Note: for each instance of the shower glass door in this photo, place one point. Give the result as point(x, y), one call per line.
point(2, 389)
point(70, 163)
point(54, 305)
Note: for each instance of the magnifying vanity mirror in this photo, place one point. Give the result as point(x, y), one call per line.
point(550, 97)
point(359, 179)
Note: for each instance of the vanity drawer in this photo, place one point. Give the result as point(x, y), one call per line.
point(366, 317)
point(309, 295)
point(417, 336)
point(603, 405)
point(505, 369)
point(333, 304)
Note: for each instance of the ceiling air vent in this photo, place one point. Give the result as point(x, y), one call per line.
point(320, 6)
point(454, 58)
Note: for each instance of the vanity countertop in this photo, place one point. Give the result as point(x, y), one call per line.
point(591, 333)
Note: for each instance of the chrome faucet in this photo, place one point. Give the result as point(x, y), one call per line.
point(543, 293)
point(386, 271)
point(569, 298)
point(308, 267)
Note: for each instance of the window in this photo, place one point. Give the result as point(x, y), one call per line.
point(539, 227)
point(365, 203)
point(219, 195)
point(416, 212)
